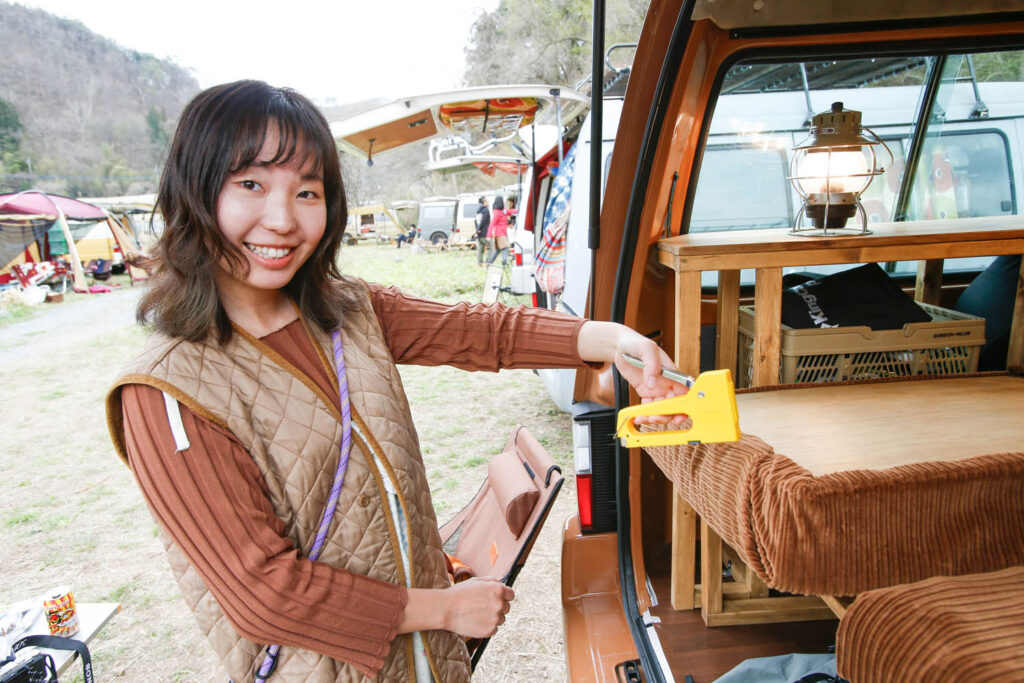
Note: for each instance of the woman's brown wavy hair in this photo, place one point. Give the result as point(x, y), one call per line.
point(220, 132)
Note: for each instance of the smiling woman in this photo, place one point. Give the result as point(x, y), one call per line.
point(266, 423)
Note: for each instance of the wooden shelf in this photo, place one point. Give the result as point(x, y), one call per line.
point(768, 252)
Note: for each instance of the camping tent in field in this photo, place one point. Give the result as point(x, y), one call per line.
point(37, 228)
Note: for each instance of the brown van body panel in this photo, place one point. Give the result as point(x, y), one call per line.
point(597, 637)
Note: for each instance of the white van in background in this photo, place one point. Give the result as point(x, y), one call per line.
point(573, 298)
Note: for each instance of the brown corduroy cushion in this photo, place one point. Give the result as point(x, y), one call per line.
point(964, 628)
point(848, 532)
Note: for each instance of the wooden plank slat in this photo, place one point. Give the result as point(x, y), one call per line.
point(688, 323)
point(767, 326)
point(710, 572)
point(822, 253)
point(727, 320)
point(837, 604)
point(907, 234)
point(1015, 353)
point(929, 281)
point(684, 553)
point(770, 611)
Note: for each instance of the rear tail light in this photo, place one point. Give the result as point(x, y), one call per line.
point(593, 440)
point(584, 501)
point(533, 300)
point(519, 255)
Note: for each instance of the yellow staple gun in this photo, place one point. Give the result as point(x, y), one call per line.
point(710, 403)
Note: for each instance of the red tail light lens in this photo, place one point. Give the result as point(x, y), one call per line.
point(519, 257)
point(533, 299)
point(584, 500)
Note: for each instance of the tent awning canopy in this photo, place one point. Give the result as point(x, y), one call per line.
point(482, 111)
point(41, 203)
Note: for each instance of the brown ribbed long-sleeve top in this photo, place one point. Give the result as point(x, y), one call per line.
point(212, 502)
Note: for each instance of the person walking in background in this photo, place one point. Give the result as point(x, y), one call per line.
point(265, 421)
point(498, 232)
point(512, 212)
point(483, 222)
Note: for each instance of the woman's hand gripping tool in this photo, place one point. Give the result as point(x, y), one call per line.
point(710, 403)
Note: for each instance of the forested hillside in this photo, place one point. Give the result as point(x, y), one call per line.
point(79, 114)
point(545, 41)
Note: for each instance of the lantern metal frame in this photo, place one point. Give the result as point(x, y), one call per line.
point(837, 130)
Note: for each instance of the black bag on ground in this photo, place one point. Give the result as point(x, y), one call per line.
point(865, 295)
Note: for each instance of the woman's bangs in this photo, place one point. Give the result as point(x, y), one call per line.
point(297, 146)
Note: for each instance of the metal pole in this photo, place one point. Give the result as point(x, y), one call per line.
point(556, 93)
point(596, 144)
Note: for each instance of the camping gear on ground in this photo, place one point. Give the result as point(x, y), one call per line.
point(99, 269)
point(39, 668)
point(865, 295)
point(57, 606)
point(494, 534)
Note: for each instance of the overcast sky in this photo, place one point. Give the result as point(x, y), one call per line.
point(345, 50)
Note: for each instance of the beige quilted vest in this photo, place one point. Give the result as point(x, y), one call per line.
point(292, 432)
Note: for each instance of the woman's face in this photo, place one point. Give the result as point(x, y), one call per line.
point(276, 215)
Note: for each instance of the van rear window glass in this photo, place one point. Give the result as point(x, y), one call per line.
point(965, 161)
point(435, 214)
point(764, 202)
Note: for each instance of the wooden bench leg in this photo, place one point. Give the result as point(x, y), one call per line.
point(684, 553)
point(710, 572)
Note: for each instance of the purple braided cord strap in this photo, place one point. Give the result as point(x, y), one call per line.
point(270, 661)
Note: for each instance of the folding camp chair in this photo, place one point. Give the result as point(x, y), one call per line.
point(494, 534)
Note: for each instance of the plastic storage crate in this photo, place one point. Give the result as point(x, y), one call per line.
point(947, 345)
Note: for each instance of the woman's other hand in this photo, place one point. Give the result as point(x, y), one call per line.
point(479, 606)
point(473, 608)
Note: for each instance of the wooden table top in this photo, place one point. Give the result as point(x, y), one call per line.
point(833, 428)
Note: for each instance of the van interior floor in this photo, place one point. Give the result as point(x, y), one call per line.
point(706, 653)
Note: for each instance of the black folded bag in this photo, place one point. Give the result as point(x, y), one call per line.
point(865, 295)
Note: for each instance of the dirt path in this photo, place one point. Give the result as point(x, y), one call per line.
point(63, 324)
point(72, 514)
